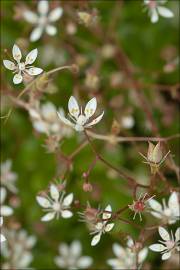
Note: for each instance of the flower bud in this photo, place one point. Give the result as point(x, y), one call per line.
point(87, 187)
point(154, 154)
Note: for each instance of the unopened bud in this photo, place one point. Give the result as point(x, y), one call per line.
point(154, 153)
point(87, 187)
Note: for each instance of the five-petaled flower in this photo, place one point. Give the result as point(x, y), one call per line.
point(169, 244)
point(140, 205)
point(43, 20)
point(170, 213)
point(128, 257)
point(70, 257)
point(80, 119)
point(22, 68)
point(2, 237)
point(5, 210)
point(56, 204)
point(102, 227)
point(155, 9)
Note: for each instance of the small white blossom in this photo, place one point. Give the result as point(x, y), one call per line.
point(5, 210)
point(126, 257)
point(80, 119)
point(8, 177)
point(45, 120)
point(17, 250)
point(169, 244)
point(70, 257)
point(22, 68)
point(43, 20)
point(155, 9)
point(2, 237)
point(102, 227)
point(168, 213)
point(127, 121)
point(56, 204)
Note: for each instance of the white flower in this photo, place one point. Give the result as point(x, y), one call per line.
point(17, 250)
point(22, 68)
point(56, 204)
point(169, 244)
point(81, 121)
point(45, 120)
point(126, 257)
point(8, 178)
point(155, 9)
point(102, 227)
point(2, 237)
point(43, 20)
point(70, 257)
point(127, 121)
point(5, 210)
point(168, 213)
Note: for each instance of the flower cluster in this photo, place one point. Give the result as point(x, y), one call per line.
point(17, 250)
point(70, 257)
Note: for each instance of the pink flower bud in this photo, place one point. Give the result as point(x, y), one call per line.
point(87, 187)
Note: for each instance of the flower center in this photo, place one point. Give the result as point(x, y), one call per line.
point(167, 212)
point(56, 206)
point(21, 66)
point(81, 120)
point(169, 244)
point(139, 206)
point(152, 4)
point(43, 20)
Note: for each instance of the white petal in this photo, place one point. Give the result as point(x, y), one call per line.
point(60, 261)
point(165, 12)
point(142, 255)
point(51, 30)
point(166, 256)
point(41, 126)
point(157, 247)
point(31, 57)
point(95, 121)
point(107, 215)
point(90, 107)
point(1, 221)
point(55, 14)
point(65, 120)
point(118, 250)
point(17, 79)
point(6, 210)
point(73, 107)
point(36, 33)
point(154, 16)
point(155, 205)
point(16, 53)
point(109, 227)
point(66, 214)
point(96, 239)
point(177, 234)
point(43, 202)
point(34, 71)
point(164, 234)
point(3, 194)
point(130, 242)
point(43, 7)
point(30, 16)
point(173, 203)
point(54, 192)
point(48, 216)
point(75, 249)
point(68, 200)
point(84, 262)
point(2, 238)
point(9, 64)
point(155, 214)
point(63, 249)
